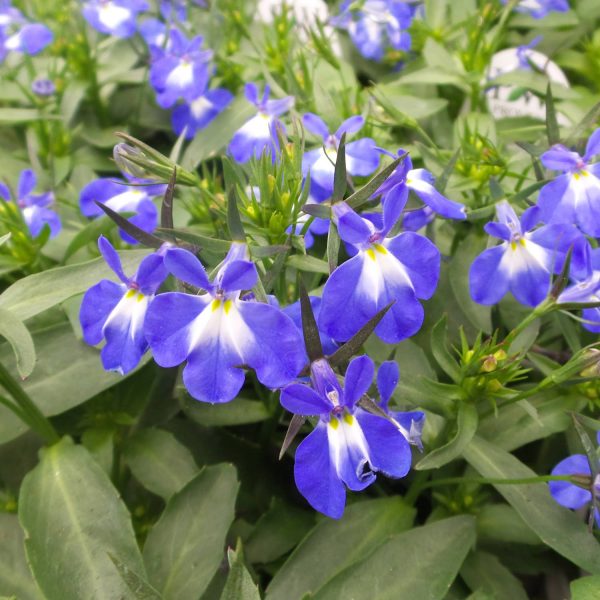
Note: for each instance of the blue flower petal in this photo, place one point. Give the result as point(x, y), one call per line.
point(98, 302)
point(358, 379)
point(185, 266)
point(566, 493)
point(303, 400)
point(112, 258)
point(315, 474)
point(388, 376)
point(486, 268)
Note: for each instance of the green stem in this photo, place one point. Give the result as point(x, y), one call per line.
point(28, 411)
point(536, 313)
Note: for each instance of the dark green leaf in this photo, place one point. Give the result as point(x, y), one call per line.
point(294, 427)
point(354, 344)
point(234, 222)
point(166, 209)
point(312, 339)
point(439, 348)
point(202, 241)
point(333, 247)
point(133, 230)
point(240, 412)
point(186, 546)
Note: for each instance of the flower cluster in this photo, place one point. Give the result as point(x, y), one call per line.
point(17, 34)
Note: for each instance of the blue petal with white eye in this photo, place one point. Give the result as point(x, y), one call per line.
point(98, 302)
point(488, 267)
point(114, 17)
point(197, 114)
point(316, 476)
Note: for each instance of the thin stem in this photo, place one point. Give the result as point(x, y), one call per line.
point(536, 313)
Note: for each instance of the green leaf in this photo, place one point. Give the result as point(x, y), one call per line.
point(15, 576)
point(552, 131)
point(501, 523)
point(159, 461)
point(420, 563)
point(363, 528)
point(585, 588)
point(140, 588)
point(440, 351)
point(277, 531)
point(483, 571)
point(466, 428)
point(186, 546)
point(89, 234)
point(202, 241)
point(5, 238)
point(61, 380)
point(234, 222)
point(18, 336)
point(36, 293)
point(340, 181)
point(73, 518)
point(14, 116)
point(333, 247)
point(310, 264)
point(558, 527)
point(240, 412)
point(239, 585)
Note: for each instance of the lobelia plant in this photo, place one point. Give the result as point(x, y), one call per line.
point(327, 302)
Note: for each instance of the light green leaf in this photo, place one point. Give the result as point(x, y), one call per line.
point(439, 348)
point(586, 588)
point(240, 412)
point(14, 116)
point(159, 461)
point(62, 379)
point(18, 336)
point(36, 293)
point(73, 518)
point(140, 588)
point(363, 528)
point(558, 527)
point(466, 428)
point(483, 571)
point(311, 264)
point(15, 576)
point(239, 585)
point(420, 563)
point(5, 238)
point(186, 546)
point(502, 523)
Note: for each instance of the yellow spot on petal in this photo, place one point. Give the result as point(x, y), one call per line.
point(140, 297)
point(576, 175)
point(349, 418)
point(130, 294)
point(381, 249)
point(334, 423)
point(216, 304)
point(513, 245)
point(371, 253)
point(584, 173)
point(227, 306)
point(522, 242)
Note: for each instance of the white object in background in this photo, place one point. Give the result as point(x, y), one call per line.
point(499, 99)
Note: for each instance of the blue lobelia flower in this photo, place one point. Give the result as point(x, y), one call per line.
point(421, 182)
point(348, 446)
point(219, 334)
point(586, 287)
point(197, 114)
point(114, 17)
point(376, 26)
point(525, 260)
point(117, 312)
point(35, 208)
point(410, 424)
point(177, 9)
point(361, 156)
point(538, 9)
point(568, 494)
point(154, 33)
point(573, 197)
point(180, 70)
point(259, 132)
point(18, 35)
point(131, 196)
point(43, 87)
point(401, 269)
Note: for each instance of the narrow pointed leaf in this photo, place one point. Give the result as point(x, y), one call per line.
point(563, 278)
point(293, 428)
point(203, 242)
point(439, 348)
point(234, 222)
point(552, 131)
point(166, 209)
point(135, 232)
point(239, 584)
point(333, 247)
point(364, 194)
point(442, 180)
point(581, 128)
point(321, 211)
point(312, 340)
point(340, 182)
point(353, 345)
